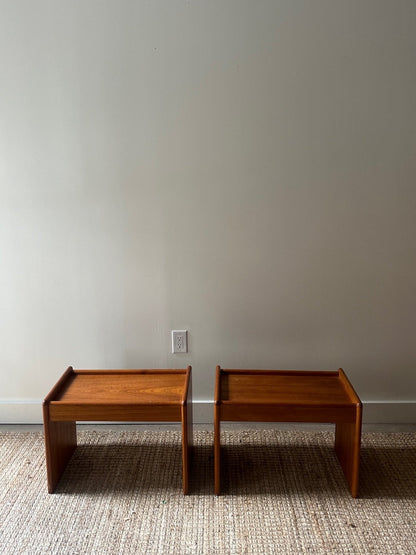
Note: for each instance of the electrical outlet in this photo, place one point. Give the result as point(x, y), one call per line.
point(179, 341)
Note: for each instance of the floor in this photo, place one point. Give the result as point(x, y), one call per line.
point(224, 425)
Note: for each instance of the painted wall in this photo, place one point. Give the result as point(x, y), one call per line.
point(244, 170)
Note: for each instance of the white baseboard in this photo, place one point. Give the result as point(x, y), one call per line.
point(374, 412)
point(389, 412)
point(21, 412)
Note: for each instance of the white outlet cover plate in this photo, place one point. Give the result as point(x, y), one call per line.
point(179, 341)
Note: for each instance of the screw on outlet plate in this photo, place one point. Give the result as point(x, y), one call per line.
point(179, 341)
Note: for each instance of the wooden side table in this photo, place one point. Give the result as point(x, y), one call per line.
point(114, 395)
point(291, 396)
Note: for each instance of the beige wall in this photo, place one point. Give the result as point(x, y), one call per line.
point(244, 170)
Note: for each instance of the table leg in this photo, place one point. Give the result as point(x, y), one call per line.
point(217, 449)
point(187, 436)
point(347, 448)
point(60, 443)
point(186, 447)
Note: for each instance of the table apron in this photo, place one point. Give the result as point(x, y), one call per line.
point(116, 413)
point(281, 413)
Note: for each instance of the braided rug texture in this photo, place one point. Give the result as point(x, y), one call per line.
point(283, 492)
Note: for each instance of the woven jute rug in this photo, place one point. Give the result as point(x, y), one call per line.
point(284, 492)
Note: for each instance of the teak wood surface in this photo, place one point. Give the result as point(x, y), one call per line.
point(291, 396)
point(114, 395)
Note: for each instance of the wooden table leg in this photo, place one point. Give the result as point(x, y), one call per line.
point(186, 448)
point(60, 443)
point(187, 433)
point(347, 448)
point(217, 449)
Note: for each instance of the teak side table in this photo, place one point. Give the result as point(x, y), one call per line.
point(291, 396)
point(114, 395)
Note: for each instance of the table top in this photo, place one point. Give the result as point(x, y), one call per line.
point(284, 387)
point(118, 387)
